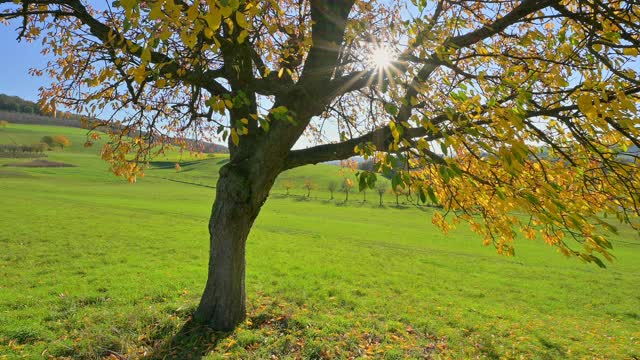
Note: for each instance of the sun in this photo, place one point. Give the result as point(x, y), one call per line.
point(381, 57)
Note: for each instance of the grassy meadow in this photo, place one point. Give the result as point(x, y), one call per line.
point(94, 267)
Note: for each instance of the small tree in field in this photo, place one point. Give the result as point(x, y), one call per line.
point(531, 103)
point(397, 191)
point(381, 188)
point(332, 186)
point(347, 185)
point(309, 185)
point(416, 191)
point(61, 141)
point(288, 185)
point(48, 140)
point(3, 124)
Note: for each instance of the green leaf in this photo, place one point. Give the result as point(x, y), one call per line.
point(456, 170)
point(371, 180)
point(444, 149)
point(444, 173)
point(396, 181)
point(432, 195)
point(595, 259)
point(531, 198)
point(391, 109)
point(362, 183)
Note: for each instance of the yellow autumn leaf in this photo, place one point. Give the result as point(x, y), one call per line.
point(214, 19)
point(226, 11)
point(241, 20)
point(234, 137)
point(156, 10)
point(140, 73)
point(243, 35)
point(146, 55)
point(585, 103)
point(192, 13)
point(128, 4)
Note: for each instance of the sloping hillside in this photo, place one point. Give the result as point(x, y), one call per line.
point(19, 111)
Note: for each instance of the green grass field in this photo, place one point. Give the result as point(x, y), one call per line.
point(94, 267)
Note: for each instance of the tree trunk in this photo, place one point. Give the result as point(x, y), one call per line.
point(380, 199)
point(235, 208)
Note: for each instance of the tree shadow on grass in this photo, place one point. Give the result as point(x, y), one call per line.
point(186, 182)
point(551, 346)
point(193, 341)
point(171, 164)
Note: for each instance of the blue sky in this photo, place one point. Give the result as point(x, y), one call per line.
point(16, 58)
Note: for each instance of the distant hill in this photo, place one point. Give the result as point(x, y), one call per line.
point(17, 104)
point(19, 111)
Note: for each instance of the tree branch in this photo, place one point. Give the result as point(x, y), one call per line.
point(112, 38)
point(381, 138)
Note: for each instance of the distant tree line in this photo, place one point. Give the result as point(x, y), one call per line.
point(37, 119)
point(16, 104)
point(22, 151)
point(408, 195)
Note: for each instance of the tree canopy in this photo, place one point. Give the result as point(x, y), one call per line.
point(515, 116)
point(529, 103)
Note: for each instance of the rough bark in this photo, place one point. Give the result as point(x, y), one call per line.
point(257, 160)
point(239, 197)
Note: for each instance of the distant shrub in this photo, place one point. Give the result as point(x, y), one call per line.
point(57, 140)
point(47, 140)
point(288, 185)
point(309, 185)
point(397, 191)
point(62, 141)
point(332, 186)
point(3, 124)
point(381, 188)
point(347, 185)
